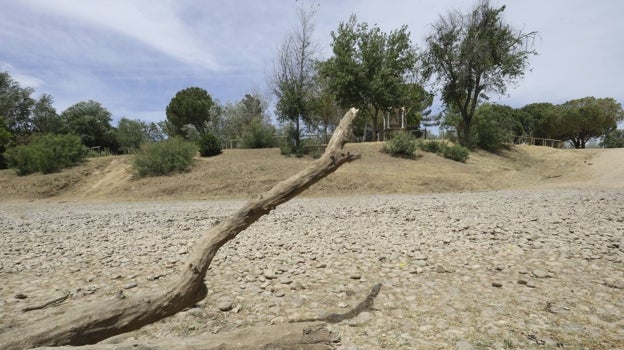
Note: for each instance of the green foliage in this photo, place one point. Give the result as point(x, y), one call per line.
point(164, 157)
point(494, 126)
point(131, 134)
point(293, 81)
point(457, 153)
point(587, 118)
point(290, 144)
point(92, 122)
point(432, 146)
point(613, 139)
point(369, 70)
point(209, 145)
point(258, 134)
point(45, 120)
point(537, 120)
point(191, 106)
point(46, 154)
point(475, 54)
point(16, 105)
point(401, 145)
point(5, 138)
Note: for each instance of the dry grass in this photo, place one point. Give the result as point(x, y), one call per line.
point(244, 173)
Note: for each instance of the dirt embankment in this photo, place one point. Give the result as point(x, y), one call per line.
point(244, 173)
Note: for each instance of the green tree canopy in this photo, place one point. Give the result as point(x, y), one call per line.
point(5, 138)
point(613, 139)
point(45, 120)
point(537, 119)
point(369, 69)
point(91, 121)
point(15, 105)
point(475, 54)
point(131, 134)
point(494, 126)
point(189, 107)
point(587, 118)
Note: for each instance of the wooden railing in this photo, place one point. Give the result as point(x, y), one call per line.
point(537, 141)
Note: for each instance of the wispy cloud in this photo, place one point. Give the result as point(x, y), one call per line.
point(154, 24)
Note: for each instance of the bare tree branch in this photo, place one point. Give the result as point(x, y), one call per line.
point(91, 323)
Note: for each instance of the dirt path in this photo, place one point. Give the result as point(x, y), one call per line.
point(608, 168)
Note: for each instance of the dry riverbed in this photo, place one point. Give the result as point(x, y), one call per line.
point(487, 270)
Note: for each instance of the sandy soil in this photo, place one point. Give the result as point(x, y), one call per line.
point(245, 173)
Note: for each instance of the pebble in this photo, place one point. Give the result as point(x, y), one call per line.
point(537, 273)
point(497, 284)
point(225, 306)
point(129, 285)
point(20, 296)
point(269, 274)
point(323, 242)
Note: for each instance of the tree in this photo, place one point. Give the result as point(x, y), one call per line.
point(45, 120)
point(15, 105)
point(369, 69)
point(494, 126)
point(613, 139)
point(258, 134)
point(587, 118)
point(5, 138)
point(131, 134)
point(91, 121)
point(293, 74)
point(537, 120)
point(189, 107)
point(474, 55)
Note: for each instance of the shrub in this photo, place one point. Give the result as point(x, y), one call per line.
point(258, 134)
point(46, 154)
point(456, 152)
point(164, 157)
point(401, 145)
point(209, 145)
point(432, 146)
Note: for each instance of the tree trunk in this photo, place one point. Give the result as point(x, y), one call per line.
point(308, 336)
point(467, 139)
point(91, 323)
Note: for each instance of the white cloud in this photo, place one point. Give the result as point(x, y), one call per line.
point(24, 79)
point(154, 24)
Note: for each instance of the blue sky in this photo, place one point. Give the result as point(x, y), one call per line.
point(134, 55)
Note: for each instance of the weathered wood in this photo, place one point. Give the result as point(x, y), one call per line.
point(46, 303)
point(309, 336)
point(93, 322)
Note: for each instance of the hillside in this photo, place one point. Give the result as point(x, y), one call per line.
point(243, 173)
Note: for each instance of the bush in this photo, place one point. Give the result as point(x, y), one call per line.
point(46, 154)
point(432, 146)
point(164, 157)
point(258, 134)
point(456, 152)
point(401, 145)
point(209, 145)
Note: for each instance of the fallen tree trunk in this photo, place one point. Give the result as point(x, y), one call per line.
point(308, 336)
point(93, 322)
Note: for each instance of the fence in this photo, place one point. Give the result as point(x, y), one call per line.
point(322, 139)
point(536, 141)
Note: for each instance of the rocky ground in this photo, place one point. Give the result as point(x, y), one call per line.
point(487, 270)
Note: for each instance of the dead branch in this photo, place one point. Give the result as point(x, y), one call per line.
point(93, 322)
point(309, 336)
point(46, 304)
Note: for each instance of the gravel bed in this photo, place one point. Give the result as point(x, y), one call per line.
point(488, 270)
